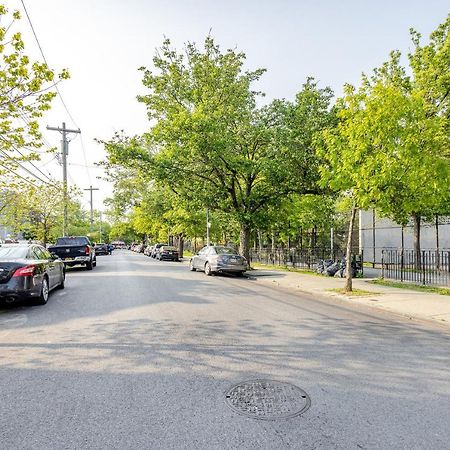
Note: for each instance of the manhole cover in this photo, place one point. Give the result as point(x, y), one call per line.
point(267, 399)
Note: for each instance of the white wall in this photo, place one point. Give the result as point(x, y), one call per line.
point(388, 235)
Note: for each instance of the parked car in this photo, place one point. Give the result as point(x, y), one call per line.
point(215, 259)
point(156, 248)
point(148, 250)
point(75, 250)
point(29, 271)
point(101, 249)
point(167, 252)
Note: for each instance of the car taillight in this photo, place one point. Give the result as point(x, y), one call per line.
point(27, 271)
point(86, 250)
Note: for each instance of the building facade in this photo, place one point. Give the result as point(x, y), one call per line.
point(377, 233)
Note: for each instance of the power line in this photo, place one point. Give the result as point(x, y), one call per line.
point(30, 162)
point(24, 168)
point(17, 175)
point(45, 60)
point(57, 89)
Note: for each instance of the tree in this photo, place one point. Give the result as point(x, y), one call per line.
point(25, 93)
point(211, 144)
point(36, 210)
point(387, 149)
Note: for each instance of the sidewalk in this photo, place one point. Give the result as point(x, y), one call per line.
point(414, 304)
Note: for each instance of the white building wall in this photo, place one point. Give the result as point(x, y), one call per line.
point(382, 233)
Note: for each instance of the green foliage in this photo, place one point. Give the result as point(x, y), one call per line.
point(387, 149)
point(25, 93)
point(212, 146)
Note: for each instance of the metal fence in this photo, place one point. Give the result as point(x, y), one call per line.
point(427, 267)
point(306, 258)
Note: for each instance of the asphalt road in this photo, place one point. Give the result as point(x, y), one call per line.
point(139, 354)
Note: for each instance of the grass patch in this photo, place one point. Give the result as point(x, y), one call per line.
point(187, 253)
point(354, 292)
point(413, 287)
point(284, 269)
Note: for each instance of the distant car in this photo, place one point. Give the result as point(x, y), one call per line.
point(101, 249)
point(29, 271)
point(156, 248)
point(167, 252)
point(215, 259)
point(148, 250)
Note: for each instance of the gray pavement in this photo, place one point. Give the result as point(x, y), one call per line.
point(417, 305)
point(139, 354)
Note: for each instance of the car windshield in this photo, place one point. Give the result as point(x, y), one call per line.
point(71, 241)
point(13, 252)
point(224, 251)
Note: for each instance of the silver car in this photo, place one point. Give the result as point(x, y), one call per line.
point(215, 259)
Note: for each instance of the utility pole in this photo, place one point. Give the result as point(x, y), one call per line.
point(64, 152)
point(91, 227)
point(101, 239)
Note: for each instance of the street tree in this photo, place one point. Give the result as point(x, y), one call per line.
point(37, 210)
point(25, 93)
point(387, 150)
point(210, 143)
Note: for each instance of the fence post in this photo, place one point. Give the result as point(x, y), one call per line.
point(448, 267)
point(382, 263)
point(402, 264)
point(423, 267)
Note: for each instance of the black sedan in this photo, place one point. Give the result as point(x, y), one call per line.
point(101, 249)
point(29, 271)
point(167, 252)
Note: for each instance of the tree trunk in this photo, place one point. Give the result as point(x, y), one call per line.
point(259, 241)
point(180, 245)
point(348, 269)
point(244, 244)
point(416, 219)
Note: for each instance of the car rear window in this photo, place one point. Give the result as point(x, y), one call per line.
point(13, 252)
point(225, 251)
point(72, 241)
point(167, 247)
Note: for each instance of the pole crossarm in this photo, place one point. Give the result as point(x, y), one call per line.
point(61, 130)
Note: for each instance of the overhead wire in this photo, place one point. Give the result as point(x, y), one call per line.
point(25, 169)
point(30, 162)
point(17, 175)
point(57, 89)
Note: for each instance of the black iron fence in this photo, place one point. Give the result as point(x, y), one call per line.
point(428, 267)
point(306, 258)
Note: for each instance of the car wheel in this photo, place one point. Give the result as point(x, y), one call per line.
point(208, 270)
point(191, 266)
point(240, 274)
point(95, 262)
point(43, 297)
point(89, 265)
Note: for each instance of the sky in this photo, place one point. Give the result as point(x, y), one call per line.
point(103, 43)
